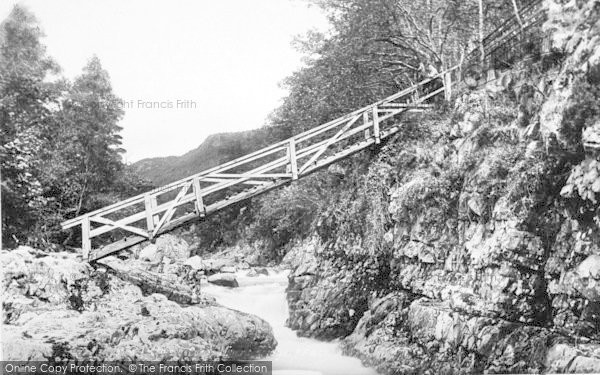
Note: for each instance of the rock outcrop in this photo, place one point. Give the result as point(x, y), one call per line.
point(57, 307)
point(461, 254)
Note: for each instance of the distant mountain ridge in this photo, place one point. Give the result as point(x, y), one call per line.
point(216, 149)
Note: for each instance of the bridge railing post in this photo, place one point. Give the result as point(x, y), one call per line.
point(86, 241)
point(376, 132)
point(200, 207)
point(149, 206)
point(365, 122)
point(293, 162)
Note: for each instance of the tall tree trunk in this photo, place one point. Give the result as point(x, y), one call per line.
point(481, 34)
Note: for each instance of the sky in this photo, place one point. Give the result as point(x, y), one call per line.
point(184, 69)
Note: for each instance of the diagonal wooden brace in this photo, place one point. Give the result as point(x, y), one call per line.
point(171, 210)
point(329, 143)
point(103, 220)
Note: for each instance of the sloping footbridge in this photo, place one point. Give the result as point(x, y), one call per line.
point(146, 216)
point(151, 214)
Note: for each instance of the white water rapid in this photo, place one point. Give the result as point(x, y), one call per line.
point(264, 296)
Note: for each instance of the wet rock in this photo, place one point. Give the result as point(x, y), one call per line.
point(223, 279)
point(213, 266)
point(258, 271)
point(228, 269)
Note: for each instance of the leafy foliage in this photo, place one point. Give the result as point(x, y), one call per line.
point(60, 142)
point(289, 213)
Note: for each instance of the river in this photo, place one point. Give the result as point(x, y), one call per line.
point(264, 296)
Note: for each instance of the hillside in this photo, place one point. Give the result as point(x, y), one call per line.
point(216, 149)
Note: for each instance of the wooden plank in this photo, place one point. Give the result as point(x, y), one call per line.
point(404, 105)
point(248, 175)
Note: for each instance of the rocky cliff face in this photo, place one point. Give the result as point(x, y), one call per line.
point(470, 259)
point(56, 307)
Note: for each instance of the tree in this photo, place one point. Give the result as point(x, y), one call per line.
point(481, 33)
point(60, 144)
point(89, 137)
point(517, 13)
point(25, 117)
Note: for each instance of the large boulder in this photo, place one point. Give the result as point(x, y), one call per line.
point(31, 279)
point(195, 263)
point(167, 248)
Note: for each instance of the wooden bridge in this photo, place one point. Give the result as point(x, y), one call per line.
point(151, 214)
point(146, 216)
